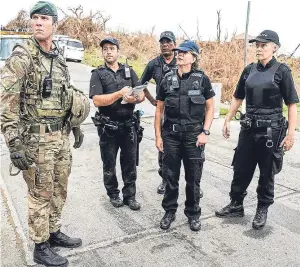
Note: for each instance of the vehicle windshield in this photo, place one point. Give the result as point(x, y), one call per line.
point(75, 44)
point(7, 45)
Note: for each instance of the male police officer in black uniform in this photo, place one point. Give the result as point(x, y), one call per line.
point(116, 123)
point(186, 98)
point(263, 128)
point(156, 69)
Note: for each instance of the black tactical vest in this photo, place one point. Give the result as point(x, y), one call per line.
point(186, 104)
point(160, 69)
point(111, 83)
point(263, 96)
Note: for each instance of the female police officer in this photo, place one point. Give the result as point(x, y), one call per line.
point(186, 97)
point(263, 128)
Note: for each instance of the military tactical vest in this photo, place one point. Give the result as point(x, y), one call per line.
point(33, 107)
point(186, 104)
point(111, 83)
point(263, 96)
point(160, 69)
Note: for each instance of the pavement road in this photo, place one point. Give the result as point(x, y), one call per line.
point(121, 237)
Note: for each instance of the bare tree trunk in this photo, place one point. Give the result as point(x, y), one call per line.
point(152, 30)
point(198, 34)
point(219, 26)
point(226, 36)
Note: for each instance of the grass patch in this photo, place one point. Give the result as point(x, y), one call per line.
point(224, 111)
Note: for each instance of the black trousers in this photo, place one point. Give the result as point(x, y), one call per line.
point(160, 164)
point(252, 151)
point(160, 158)
point(182, 146)
point(110, 142)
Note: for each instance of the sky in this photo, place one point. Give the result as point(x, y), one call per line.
point(140, 15)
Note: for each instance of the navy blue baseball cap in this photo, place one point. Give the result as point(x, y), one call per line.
point(266, 36)
point(110, 40)
point(188, 46)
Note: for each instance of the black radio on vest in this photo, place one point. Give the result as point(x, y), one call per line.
point(175, 83)
point(47, 83)
point(127, 70)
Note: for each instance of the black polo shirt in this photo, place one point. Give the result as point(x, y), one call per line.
point(105, 81)
point(283, 78)
point(97, 88)
point(156, 69)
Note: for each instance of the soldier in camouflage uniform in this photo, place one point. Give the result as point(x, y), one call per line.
point(39, 110)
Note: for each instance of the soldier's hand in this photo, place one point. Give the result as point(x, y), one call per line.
point(78, 135)
point(226, 129)
point(288, 142)
point(201, 139)
point(18, 155)
point(159, 144)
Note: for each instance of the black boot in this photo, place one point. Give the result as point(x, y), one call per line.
point(201, 193)
point(234, 209)
point(116, 202)
point(43, 254)
point(195, 224)
point(62, 240)
point(162, 187)
point(166, 221)
point(133, 204)
point(260, 217)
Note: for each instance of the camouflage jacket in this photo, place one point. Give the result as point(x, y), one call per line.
point(21, 88)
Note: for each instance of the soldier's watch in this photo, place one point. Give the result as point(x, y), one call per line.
point(206, 132)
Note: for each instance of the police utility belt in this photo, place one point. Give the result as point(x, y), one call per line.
point(183, 128)
point(103, 121)
point(248, 122)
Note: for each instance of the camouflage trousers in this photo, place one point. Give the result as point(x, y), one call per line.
point(47, 183)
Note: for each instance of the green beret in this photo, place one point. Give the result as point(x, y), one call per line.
point(43, 8)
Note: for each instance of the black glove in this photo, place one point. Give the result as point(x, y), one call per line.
point(18, 155)
point(78, 134)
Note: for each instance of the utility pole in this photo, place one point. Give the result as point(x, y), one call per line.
point(245, 48)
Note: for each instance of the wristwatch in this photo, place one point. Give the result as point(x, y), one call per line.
point(206, 132)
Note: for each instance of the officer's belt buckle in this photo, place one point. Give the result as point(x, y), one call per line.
point(174, 127)
point(263, 123)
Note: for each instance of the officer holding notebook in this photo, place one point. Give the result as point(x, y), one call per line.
point(116, 121)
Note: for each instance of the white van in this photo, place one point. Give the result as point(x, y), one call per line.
point(7, 43)
point(72, 48)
